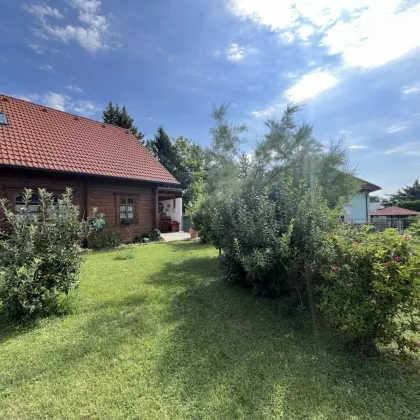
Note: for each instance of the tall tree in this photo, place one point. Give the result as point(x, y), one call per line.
point(191, 170)
point(164, 151)
point(121, 118)
point(408, 193)
point(286, 149)
point(184, 159)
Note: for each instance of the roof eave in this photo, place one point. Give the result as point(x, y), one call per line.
point(175, 184)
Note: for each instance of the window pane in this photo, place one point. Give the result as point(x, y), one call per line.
point(130, 201)
point(123, 201)
point(3, 118)
point(33, 208)
point(34, 198)
point(130, 215)
point(19, 208)
point(129, 208)
point(122, 208)
point(122, 216)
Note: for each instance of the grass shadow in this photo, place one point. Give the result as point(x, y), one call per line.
point(76, 343)
point(233, 355)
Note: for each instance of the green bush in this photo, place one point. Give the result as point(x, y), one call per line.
point(40, 259)
point(201, 219)
point(102, 236)
point(153, 236)
point(414, 230)
point(372, 287)
point(410, 205)
point(271, 239)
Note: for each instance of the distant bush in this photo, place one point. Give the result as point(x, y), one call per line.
point(410, 205)
point(153, 236)
point(372, 287)
point(102, 236)
point(201, 219)
point(40, 258)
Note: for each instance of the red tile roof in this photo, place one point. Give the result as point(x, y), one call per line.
point(44, 138)
point(368, 186)
point(395, 211)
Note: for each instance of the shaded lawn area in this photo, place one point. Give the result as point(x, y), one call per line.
point(160, 336)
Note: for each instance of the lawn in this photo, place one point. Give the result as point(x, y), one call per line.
point(160, 336)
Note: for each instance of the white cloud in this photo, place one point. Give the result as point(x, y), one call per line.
point(275, 108)
point(305, 32)
point(307, 87)
point(31, 97)
point(407, 149)
point(235, 53)
point(42, 11)
point(36, 47)
point(367, 33)
point(411, 90)
point(311, 85)
point(46, 67)
point(395, 128)
point(91, 32)
point(74, 88)
point(357, 147)
point(86, 108)
point(62, 102)
point(56, 100)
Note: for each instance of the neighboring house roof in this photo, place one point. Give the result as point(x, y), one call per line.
point(38, 137)
point(368, 186)
point(395, 211)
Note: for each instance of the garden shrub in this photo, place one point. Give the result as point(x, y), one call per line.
point(40, 258)
point(414, 231)
point(102, 236)
point(201, 219)
point(153, 236)
point(271, 239)
point(372, 287)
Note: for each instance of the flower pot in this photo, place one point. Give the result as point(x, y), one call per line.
point(193, 233)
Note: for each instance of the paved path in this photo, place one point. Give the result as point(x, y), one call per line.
point(176, 236)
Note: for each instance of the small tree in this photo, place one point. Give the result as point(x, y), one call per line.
point(121, 118)
point(40, 257)
point(408, 193)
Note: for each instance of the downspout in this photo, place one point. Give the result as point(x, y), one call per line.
point(367, 207)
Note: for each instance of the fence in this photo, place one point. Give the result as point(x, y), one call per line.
point(382, 223)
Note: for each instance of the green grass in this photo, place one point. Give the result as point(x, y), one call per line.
point(160, 336)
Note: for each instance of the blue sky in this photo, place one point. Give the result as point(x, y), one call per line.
point(356, 66)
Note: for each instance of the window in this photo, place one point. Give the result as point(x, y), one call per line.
point(33, 204)
point(126, 209)
point(3, 119)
